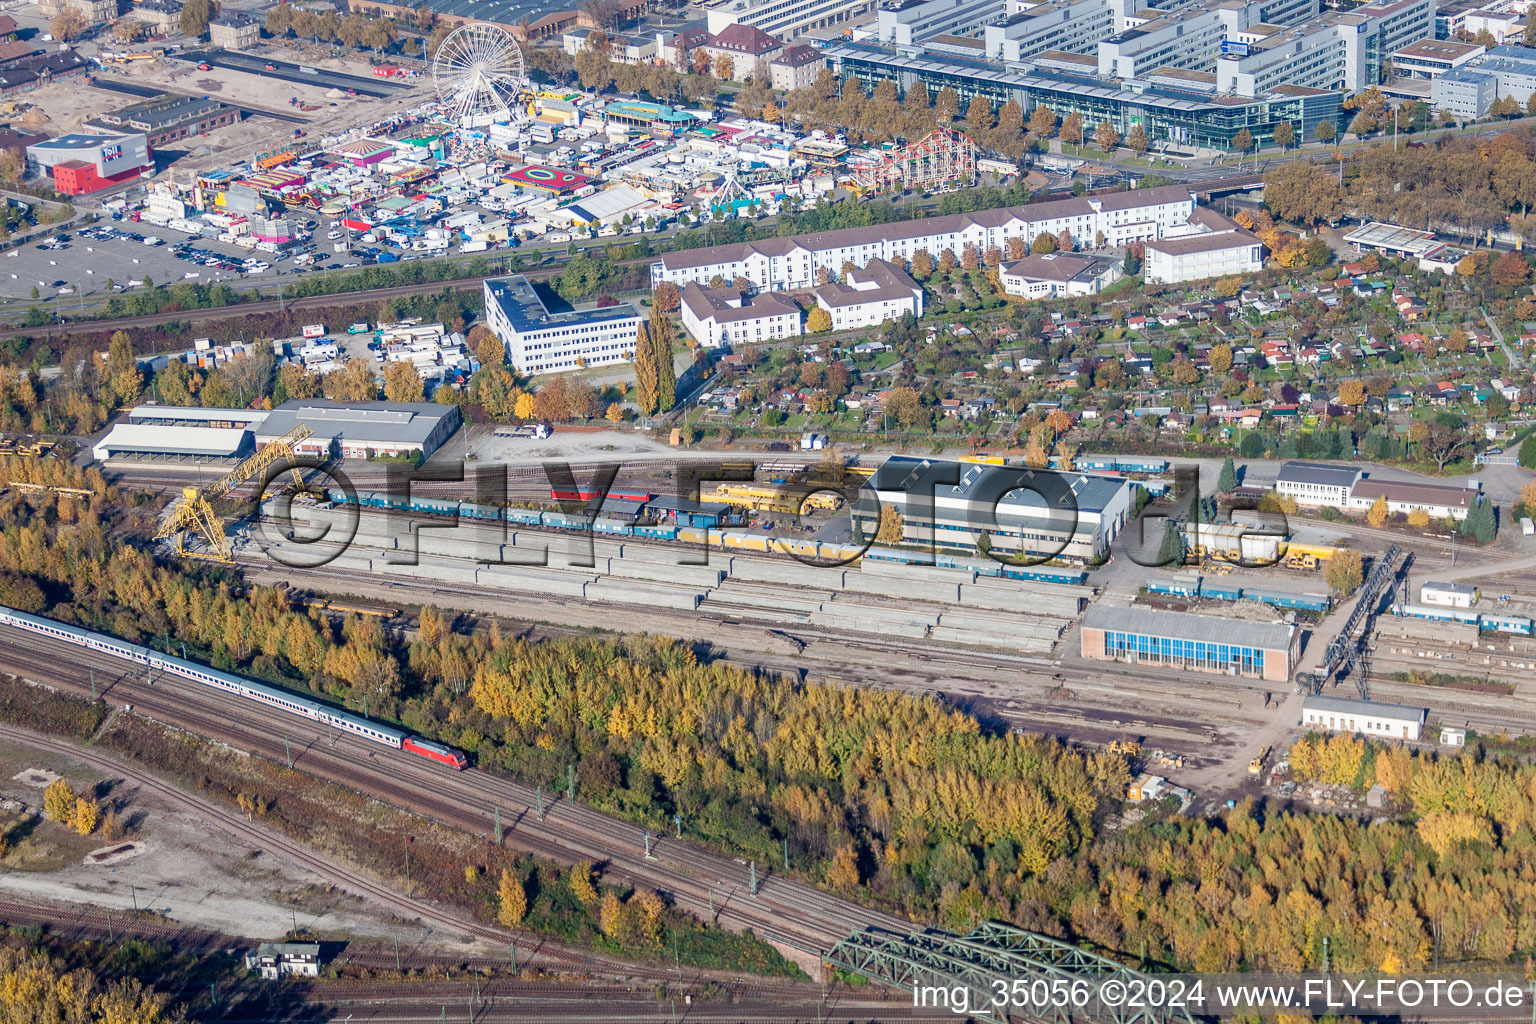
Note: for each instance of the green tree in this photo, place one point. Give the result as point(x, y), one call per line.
point(195, 16)
point(1480, 524)
point(1227, 481)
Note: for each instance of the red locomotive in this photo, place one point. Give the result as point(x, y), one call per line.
point(436, 751)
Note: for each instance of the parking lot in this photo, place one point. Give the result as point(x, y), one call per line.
point(113, 258)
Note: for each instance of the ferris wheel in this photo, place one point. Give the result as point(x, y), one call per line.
point(479, 74)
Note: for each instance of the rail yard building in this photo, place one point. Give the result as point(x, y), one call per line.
point(1202, 643)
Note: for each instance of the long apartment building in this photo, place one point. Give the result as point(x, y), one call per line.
point(779, 264)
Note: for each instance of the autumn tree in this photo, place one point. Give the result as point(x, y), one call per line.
point(1045, 242)
point(59, 802)
point(818, 321)
point(1105, 136)
point(1325, 132)
point(1301, 193)
point(85, 815)
point(581, 885)
point(666, 297)
point(646, 369)
point(1042, 121)
point(1510, 270)
point(1137, 139)
point(904, 404)
point(1071, 131)
point(1344, 572)
point(1220, 358)
point(889, 530)
point(662, 337)
point(922, 264)
point(402, 383)
point(512, 901)
point(1285, 134)
point(843, 871)
point(1242, 141)
point(68, 23)
point(1378, 512)
point(1352, 392)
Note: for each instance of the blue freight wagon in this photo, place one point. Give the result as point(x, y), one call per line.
point(1281, 599)
point(1174, 586)
point(526, 516)
point(1218, 591)
point(471, 510)
point(603, 524)
point(1506, 624)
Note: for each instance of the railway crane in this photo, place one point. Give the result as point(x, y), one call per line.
point(193, 514)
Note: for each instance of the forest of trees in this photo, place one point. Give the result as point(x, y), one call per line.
point(1463, 186)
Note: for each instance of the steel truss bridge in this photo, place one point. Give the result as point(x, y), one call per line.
point(973, 965)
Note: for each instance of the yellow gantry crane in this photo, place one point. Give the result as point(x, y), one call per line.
point(194, 513)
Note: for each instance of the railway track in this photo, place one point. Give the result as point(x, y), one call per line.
point(539, 950)
point(704, 883)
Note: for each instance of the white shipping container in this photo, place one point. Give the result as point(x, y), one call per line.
point(1527, 527)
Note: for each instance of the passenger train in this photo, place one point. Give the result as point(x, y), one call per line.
point(271, 695)
point(725, 540)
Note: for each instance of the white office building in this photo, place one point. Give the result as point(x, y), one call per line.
point(1468, 91)
point(1333, 51)
point(792, 263)
point(905, 22)
point(539, 341)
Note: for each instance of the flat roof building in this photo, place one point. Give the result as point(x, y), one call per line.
point(1040, 514)
point(360, 430)
point(1187, 115)
point(1367, 717)
point(80, 164)
point(1202, 643)
point(539, 341)
point(172, 440)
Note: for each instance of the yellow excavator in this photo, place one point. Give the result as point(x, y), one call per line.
point(194, 514)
